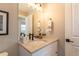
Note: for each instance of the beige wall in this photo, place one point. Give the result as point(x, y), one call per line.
point(56, 12)
point(9, 42)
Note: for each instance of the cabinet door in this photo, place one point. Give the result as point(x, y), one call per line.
point(50, 50)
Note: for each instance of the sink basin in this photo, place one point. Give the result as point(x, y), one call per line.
point(35, 42)
point(34, 45)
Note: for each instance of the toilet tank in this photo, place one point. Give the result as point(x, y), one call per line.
point(4, 54)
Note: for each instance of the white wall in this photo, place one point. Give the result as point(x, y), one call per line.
point(9, 42)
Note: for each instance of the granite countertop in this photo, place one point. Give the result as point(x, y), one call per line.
point(37, 44)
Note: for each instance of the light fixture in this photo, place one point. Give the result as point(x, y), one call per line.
point(36, 6)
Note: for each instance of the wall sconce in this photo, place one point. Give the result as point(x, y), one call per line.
point(50, 25)
point(39, 27)
point(38, 24)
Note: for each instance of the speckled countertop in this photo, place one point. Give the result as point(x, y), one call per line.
point(37, 44)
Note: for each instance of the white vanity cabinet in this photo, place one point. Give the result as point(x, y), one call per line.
point(48, 50)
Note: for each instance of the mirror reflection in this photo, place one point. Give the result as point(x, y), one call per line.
point(34, 21)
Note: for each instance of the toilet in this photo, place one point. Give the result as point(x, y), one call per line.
point(4, 54)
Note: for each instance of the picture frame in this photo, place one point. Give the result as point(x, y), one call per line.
point(4, 22)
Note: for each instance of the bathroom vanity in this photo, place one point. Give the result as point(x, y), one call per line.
point(37, 26)
point(39, 47)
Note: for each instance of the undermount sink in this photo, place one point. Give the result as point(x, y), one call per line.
point(36, 44)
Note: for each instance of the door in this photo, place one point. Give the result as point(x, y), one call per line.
point(25, 25)
point(72, 29)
